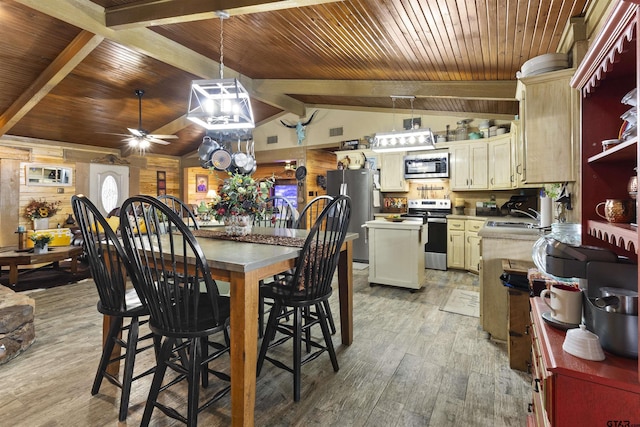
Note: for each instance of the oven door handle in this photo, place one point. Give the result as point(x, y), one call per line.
point(438, 220)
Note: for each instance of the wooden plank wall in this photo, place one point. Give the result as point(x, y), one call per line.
point(46, 156)
point(318, 163)
point(149, 175)
point(15, 194)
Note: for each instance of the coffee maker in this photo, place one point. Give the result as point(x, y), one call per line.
point(599, 268)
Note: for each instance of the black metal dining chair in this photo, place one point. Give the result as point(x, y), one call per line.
point(309, 286)
point(183, 210)
point(186, 310)
point(110, 267)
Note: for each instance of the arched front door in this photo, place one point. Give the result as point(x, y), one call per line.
point(108, 186)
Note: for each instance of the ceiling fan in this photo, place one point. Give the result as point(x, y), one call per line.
point(140, 138)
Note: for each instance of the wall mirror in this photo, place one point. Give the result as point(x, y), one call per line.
point(48, 175)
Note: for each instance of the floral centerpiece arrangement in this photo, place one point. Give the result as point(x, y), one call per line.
point(40, 241)
point(37, 209)
point(240, 201)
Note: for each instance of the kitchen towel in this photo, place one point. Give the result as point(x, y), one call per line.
point(545, 212)
point(376, 198)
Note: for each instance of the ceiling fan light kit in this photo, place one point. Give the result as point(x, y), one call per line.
point(139, 138)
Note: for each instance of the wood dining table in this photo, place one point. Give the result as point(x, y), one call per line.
point(243, 265)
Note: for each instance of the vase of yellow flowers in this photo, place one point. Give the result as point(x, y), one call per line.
point(241, 201)
point(39, 211)
point(41, 242)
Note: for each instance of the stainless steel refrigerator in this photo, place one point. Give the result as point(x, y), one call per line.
point(359, 185)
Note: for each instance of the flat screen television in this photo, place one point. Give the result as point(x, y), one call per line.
point(288, 191)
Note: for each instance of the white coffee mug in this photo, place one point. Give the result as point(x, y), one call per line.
point(565, 303)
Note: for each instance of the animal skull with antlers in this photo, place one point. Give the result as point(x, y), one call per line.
point(300, 127)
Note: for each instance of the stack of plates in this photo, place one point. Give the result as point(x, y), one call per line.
point(543, 64)
point(630, 119)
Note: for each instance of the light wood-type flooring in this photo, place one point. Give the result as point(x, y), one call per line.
point(410, 365)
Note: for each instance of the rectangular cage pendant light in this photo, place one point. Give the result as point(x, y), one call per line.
point(220, 105)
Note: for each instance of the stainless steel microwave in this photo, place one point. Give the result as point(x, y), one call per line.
point(428, 165)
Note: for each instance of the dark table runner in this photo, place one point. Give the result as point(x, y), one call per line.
point(296, 242)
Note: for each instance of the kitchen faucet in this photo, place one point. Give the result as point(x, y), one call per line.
point(536, 217)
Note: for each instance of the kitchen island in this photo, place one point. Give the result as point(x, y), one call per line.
point(396, 252)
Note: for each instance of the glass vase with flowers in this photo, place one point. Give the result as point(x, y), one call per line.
point(241, 201)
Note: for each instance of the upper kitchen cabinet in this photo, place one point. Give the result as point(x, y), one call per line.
point(469, 166)
point(548, 108)
point(501, 163)
point(392, 172)
point(608, 73)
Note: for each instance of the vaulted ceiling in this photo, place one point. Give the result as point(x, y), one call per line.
point(69, 68)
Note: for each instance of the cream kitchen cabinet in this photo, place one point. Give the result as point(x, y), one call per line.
point(501, 163)
point(463, 243)
point(455, 243)
point(469, 166)
point(392, 172)
point(548, 119)
point(472, 244)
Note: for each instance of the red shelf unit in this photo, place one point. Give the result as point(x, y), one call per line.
point(608, 72)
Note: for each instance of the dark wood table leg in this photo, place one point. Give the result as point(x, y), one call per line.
point(13, 274)
point(74, 264)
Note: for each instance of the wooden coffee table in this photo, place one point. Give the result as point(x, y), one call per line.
point(15, 258)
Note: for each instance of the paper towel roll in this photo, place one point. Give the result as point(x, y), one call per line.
point(545, 212)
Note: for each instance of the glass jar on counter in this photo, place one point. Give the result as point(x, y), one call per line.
point(462, 131)
point(565, 232)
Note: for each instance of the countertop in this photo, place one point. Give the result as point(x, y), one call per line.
point(513, 233)
point(383, 223)
point(502, 232)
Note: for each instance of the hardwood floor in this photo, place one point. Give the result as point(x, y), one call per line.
point(410, 365)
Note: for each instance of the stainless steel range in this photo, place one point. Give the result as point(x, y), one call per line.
point(434, 213)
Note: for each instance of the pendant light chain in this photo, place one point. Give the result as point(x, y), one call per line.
point(221, 46)
point(411, 113)
point(393, 109)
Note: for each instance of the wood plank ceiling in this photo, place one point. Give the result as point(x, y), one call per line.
point(69, 68)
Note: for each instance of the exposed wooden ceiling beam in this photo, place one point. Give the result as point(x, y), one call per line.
point(65, 62)
point(147, 13)
point(89, 16)
point(416, 112)
point(489, 90)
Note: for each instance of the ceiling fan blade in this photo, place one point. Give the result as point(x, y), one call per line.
point(135, 132)
point(113, 133)
point(156, 140)
point(163, 136)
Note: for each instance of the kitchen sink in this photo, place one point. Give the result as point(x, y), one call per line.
point(510, 224)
